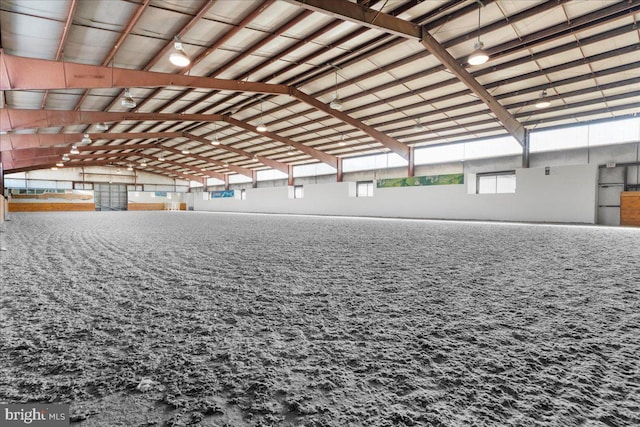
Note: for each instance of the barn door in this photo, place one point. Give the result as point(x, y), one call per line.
point(110, 197)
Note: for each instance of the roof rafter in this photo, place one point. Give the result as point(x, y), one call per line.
point(384, 22)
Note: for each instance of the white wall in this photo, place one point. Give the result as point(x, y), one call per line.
point(567, 194)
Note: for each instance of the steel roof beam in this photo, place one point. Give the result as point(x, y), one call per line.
point(387, 23)
point(13, 119)
point(274, 164)
point(320, 155)
point(26, 73)
point(17, 141)
point(77, 160)
point(24, 142)
point(31, 74)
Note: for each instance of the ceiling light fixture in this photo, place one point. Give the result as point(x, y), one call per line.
point(179, 58)
point(60, 164)
point(335, 103)
point(130, 167)
point(261, 126)
point(74, 150)
point(215, 135)
point(479, 55)
point(85, 139)
point(543, 101)
point(118, 170)
point(418, 125)
point(161, 157)
point(65, 157)
point(54, 168)
point(185, 151)
point(143, 163)
point(127, 100)
point(102, 126)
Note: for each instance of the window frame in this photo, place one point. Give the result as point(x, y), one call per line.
point(495, 175)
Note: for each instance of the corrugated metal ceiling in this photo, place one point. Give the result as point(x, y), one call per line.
point(585, 54)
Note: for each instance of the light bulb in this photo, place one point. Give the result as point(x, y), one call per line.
point(543, 101)
point(128, 101)
point(179, 58)
point(261, 127)
point(479, 56)
point(336, 104)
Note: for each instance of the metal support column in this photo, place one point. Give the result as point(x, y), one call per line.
point(226, 182)
point(526, 149)
point(254, 179)
point(339, 174)
point(412, 163)
point(290, 181)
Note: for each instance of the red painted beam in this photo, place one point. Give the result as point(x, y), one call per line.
point(19, 73)
point(317, 154)
point(12, 119)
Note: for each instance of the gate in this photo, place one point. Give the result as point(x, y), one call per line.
point(110, 197)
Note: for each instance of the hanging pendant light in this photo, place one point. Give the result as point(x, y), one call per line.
point(127, 100)
point(74, 150)
point(60, 164)
point(335, 103)
point(261, 126)
point(85, 139)
point(161, 157)
point(418, 125)
point(479, 55)
point(215, 135)
point(143, 163)
point(179, 58)
point(129, 167)
point(102, 126)
point(543, 101)
point(65, 158)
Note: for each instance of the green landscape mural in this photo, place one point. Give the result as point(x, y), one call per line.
point(412, 181)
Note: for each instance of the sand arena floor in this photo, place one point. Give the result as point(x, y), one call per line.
point(185, 318)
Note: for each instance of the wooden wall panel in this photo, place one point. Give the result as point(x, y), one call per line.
point(630, 208)
point(145, 206)
point(50, 207)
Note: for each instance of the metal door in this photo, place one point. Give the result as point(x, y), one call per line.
point(110, 197)
point(611, 183)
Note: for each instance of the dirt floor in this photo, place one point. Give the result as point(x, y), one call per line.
point(201, 319)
